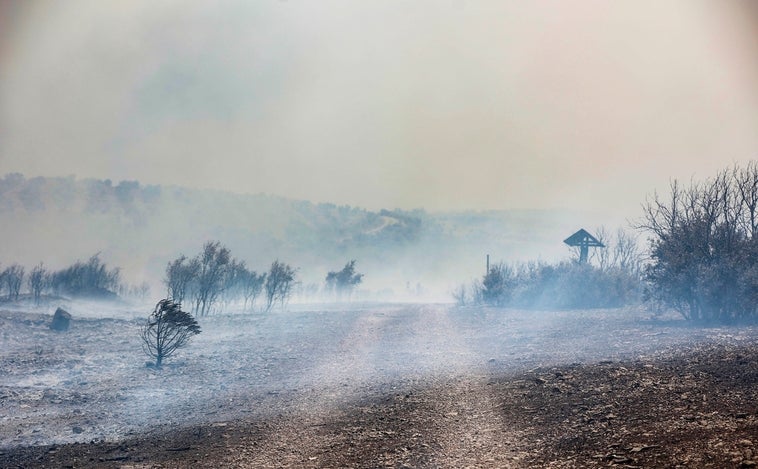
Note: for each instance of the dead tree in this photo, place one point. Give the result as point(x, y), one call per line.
point(279, 283)
point(214, 263)
point(252, 287)
point(167, 329)
point(180, 275)
point(344, 281)
point(38, 280)
point(13, 277)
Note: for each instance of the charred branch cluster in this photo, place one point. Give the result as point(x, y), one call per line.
point(704, 248)
point(167, 330)
point(214, 278)
point(343, 282)
point(12, 278)
point(90, 279)
point(86, 279)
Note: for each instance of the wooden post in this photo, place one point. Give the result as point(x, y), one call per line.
point(488, 265)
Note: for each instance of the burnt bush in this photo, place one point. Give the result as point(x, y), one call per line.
point(566, 285)
point(13, 277)
point(611, 279)
point(167, 330)
point(279, 284)
point(498, 285)
point(342, 282)
point(704, 249)
point(92, 279)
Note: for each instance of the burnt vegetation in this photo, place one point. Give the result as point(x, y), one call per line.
point(214, 280)
point(167, 330)
point(701, 263)
point(704, 248)
point(92, 279)
point(612, 278)
point(279, 284)
point(343, 282)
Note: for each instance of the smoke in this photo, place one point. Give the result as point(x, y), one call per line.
point(485, 105)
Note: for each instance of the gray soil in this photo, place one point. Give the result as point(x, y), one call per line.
point(382, 386)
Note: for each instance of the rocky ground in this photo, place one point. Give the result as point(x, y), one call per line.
point(381, 386)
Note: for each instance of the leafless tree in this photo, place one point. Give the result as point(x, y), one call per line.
point(344, 281)
point(167, 329)
point(279, 283)
point(180, 273)
point(252, 287)
point(38, 280)
point(214, 262)
point(233, 282)
point(626, 252)
point(600, 255)
point(13, 277)
point(703, 246)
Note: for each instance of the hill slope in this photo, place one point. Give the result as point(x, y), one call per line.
point(140, 228)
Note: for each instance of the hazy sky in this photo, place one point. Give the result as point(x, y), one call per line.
point(435, 104)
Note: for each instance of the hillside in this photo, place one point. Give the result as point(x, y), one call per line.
point(141, 227)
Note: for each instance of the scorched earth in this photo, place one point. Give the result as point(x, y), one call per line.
point(381, 386)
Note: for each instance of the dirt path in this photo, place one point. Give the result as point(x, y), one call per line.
point(393, 386)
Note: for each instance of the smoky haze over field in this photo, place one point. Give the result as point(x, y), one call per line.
point(141, 228)
point(415, 138)
point(565, 114)
point(442, 106)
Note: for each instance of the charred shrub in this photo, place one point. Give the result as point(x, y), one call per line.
point(566, 285)
point(279, 284)
point(92, 279)
point(167, 329)
point(576, 285)
point(13, 277)
point(343, 282)
point(704, 249)
point(498, 285)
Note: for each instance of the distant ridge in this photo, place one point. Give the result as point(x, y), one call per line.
point(141, 227)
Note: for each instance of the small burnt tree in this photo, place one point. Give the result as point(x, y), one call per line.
point(279, 283)
point(497, 286)
point(13, 277)
point(38, 279)
point(167, 329)
point(214, 264)
point(344, 281)
point(252, 286)
point(180, 273)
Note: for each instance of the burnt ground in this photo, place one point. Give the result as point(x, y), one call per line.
point(383, 386)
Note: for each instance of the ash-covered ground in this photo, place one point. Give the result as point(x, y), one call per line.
point(381, 386)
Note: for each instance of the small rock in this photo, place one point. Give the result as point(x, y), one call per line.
point(61, 320)
point(77, 429)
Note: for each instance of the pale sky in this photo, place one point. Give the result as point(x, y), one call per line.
point(444, 105)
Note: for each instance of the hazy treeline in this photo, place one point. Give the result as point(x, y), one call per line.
point(214, 277)
point(90, 279)
point(62, 218)
point(612, 278)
